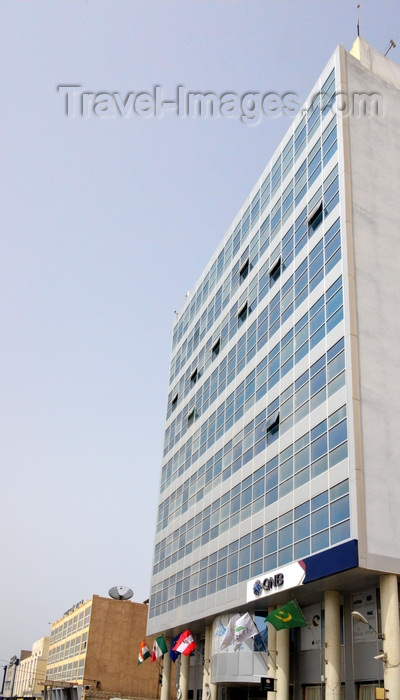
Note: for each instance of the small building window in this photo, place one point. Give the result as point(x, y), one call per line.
point(216, 348)
point(174, 402)
point(194, 377)
point(191, 416)
point(243, 312)
point(315, 217)
point(244, 270)
point(272, 426)
point(275, 271)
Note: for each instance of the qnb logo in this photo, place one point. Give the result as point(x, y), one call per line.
point(268, 583)
point(257, 588)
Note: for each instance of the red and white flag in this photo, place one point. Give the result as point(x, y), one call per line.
point(185, 644)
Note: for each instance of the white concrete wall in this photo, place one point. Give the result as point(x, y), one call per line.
point(374, 159)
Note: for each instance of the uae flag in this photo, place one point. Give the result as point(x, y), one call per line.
point(185, 644)
point(143, 653)
point(159, 648)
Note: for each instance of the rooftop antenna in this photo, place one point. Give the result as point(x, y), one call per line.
point(392, 45)
point(358, 20)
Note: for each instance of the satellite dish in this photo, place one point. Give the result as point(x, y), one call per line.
point(120, 593)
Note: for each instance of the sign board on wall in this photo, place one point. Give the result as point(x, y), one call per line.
point(275, 581)
point(365, 603)
point(311, 636)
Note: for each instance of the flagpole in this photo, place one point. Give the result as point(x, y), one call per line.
point(158, 679)
point(260, 650)
point(300, 610)
point(233, 640)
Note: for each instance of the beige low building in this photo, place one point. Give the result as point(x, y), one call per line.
point(31, 671)
point(94, 651)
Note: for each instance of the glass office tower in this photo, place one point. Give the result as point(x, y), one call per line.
point(280, 452)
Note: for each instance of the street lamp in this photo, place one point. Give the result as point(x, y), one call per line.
point(357, 616)
point(381, 655)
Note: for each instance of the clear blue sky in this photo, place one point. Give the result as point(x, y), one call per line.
point(106, 223)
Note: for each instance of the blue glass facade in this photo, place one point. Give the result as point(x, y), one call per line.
point(255, 465)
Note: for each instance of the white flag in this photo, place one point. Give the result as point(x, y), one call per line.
point(229, 632)
point(244, 629)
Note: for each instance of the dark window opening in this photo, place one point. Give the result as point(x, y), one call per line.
point(174, 402)
point(244, 270)
point(191, 416)
point(315, 217)
point(215, 348)
point(242, 315)
point(275, 271)
point(194, 377)
point(272, 424)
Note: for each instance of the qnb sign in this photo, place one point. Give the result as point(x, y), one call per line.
point(281, 579)
point(269, 583)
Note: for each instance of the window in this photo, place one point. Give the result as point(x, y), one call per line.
point(313, 692)
point(80, 620)
point(315, 217)
point(215, 348)
point(272, 420)
point(367, 691)
point(272, 425)
point(191, 416)
point(80, 668)
point(87, 616)
point(244, 270)
point(194, 377)
point(275, 271)
point(242, 315)
point(174, 402)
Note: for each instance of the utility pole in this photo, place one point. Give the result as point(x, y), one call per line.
point(4, 680)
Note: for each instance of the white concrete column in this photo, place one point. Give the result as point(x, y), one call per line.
point(272, 660)
point(332, 646)
point(184, 676)
point(213, 691)
point(282, 665)
point(166, 673)
point(209, 689)
point(391, 630)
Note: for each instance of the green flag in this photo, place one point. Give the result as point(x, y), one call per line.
point(159, 648)
point(288, 615)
